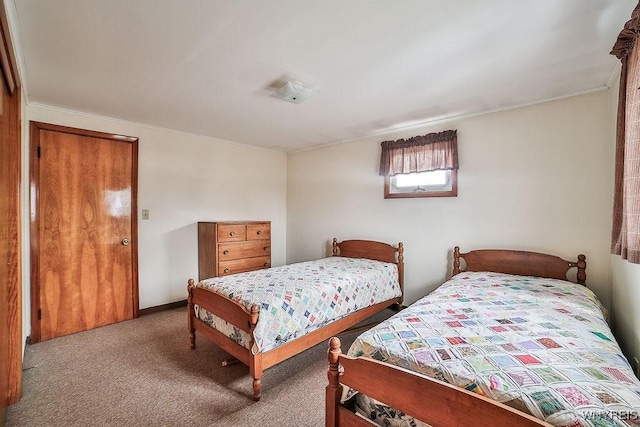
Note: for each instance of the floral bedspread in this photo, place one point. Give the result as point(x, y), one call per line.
point(540, 345)
point(298, 298)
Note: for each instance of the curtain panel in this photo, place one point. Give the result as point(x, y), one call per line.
point(625, 233)
point(420, 154)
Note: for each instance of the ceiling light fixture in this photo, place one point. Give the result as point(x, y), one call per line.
point(294, 91)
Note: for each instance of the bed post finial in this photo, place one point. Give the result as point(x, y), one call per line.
point(581, 277)
point(255, 313)
point(333, 390)
point(400, 273)
point(333, 354)
point(456, 260)
point(191, 314)
point(255, 364)
point(334, 245)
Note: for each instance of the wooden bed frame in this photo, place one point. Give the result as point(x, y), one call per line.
point(426, 399)
point(246, 320)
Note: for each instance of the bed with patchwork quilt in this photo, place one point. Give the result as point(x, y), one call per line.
point(540, 346)
point(265, 316)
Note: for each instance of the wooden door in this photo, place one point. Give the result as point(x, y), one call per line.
point(85, 254)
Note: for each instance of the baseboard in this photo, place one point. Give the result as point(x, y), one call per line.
point(163, 307)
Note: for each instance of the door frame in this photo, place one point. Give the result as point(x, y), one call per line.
point(34, 213)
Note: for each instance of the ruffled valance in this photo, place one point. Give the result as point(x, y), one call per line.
point(429, 152)
point(628, 36)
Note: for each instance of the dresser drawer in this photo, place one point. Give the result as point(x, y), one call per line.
point(241, 265)
point(232, 232)
point(258, 231)
point(250, 249)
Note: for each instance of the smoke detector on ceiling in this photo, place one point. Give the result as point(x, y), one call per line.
point(294, 91)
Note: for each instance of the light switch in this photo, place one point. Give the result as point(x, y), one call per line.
point(145, 213)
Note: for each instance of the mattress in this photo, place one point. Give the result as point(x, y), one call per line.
point(299, 298)
point(540, 345)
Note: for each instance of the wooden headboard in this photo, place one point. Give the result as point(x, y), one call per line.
point(370, 249)
point(519, 262)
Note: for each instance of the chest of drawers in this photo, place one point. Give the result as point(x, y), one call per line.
point(233, 247)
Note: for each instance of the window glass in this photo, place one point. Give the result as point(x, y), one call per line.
point(422, 180)
point(438, 183)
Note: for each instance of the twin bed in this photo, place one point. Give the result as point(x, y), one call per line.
point(494, 345)
point(508, 340)
point(266, 316)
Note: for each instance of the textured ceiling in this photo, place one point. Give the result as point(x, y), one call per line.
point(209, 66)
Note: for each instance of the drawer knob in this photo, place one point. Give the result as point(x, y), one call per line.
point(226, 270)
point(259, 232)
point(233, 233)
point(265, 248)
point(266, 264)
point(225, 252)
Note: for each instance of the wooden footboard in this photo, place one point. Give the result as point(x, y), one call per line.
point(426, 399)
point(232, 312)
point(246, 320)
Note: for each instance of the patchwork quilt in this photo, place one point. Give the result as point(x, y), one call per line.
point(540, 345)
point(298, 298)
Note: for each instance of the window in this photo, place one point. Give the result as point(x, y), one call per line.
point(438, 183)
point(422, 166)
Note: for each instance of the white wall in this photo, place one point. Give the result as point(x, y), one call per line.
point(534, 178)
point(183, 179)
point(625, 280)
point(625, 301)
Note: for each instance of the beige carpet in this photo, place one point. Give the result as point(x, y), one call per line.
point(142, 373)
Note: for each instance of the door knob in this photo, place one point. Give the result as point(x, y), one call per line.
point(125, 242)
